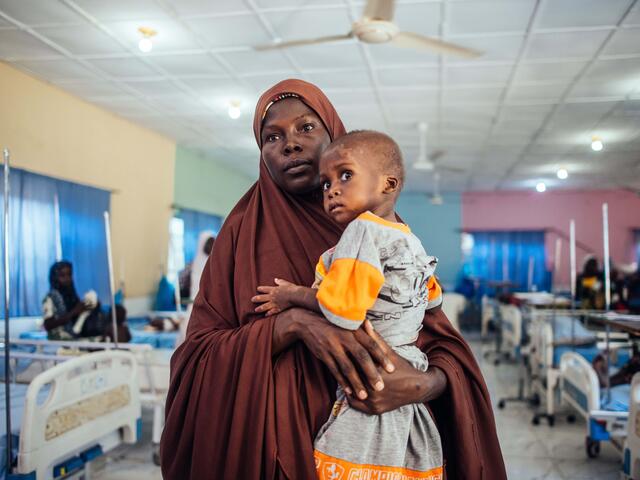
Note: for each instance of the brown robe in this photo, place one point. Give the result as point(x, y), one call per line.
point(235, 412)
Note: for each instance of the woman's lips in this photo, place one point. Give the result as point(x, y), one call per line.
point(297, 166)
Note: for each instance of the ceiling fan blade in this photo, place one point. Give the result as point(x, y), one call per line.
point(436, 155)
point(379, 10)
point(299, 43)
point(420, 42)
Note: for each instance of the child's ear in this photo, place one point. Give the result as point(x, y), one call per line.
point(391, 184)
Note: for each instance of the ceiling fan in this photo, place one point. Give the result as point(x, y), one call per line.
point(376, 26)
point(427, 161)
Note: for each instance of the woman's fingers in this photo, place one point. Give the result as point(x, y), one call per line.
point(375, 345)
point(348, 370)
point(331, 365)
point(273, 311)
point(265, 289)
point(367, 366)
point(266, 307)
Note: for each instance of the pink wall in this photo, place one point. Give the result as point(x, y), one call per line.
point(516, 210)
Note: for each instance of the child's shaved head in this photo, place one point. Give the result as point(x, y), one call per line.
point(380, 148)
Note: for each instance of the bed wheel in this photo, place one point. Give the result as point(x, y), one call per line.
point(571, 418)
point(501, 404)
point(593, 448)
point(535, 420)
point(551, 420)
point(535, 400)
point(156, 455)
point(496, 362)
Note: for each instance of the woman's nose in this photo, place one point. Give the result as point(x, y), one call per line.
point(292, 147)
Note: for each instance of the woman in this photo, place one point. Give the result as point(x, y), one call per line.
point(66, 316)
point(249, 393)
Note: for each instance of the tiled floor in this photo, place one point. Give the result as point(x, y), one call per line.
point(531, 452)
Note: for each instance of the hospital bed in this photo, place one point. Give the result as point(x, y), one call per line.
point(554, 333)
point(32, 330)
point(606, 415)
point(74, 412)
point(605, 409)
point(152, 373)
point(631, 455)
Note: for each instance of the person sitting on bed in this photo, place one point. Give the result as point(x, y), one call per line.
point(124, 335)
point(66, 316)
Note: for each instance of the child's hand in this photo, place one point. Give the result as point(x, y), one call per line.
point(275, 299)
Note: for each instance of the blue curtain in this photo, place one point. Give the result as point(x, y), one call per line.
point(637, 245)
point(32, 240)
point(194, 223)
point(83, 236)
point(505, 256)
point(33, 237)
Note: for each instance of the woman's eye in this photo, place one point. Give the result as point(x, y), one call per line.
point(325, 186)
point(272, 138)
point(307, 127)
point(345, 176)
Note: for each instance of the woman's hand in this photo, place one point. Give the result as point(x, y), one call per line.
point(405, 386)
point(344, 352)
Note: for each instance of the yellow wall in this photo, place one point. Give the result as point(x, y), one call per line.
point(53, 133)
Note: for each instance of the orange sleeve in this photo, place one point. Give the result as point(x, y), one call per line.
point(354, 278)
point(435, 292)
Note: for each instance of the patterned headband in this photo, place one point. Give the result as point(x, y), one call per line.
point(277, 98)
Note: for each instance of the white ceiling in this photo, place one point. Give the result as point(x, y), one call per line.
point(555, 72)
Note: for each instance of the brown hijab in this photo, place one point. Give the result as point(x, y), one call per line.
point(235, 412)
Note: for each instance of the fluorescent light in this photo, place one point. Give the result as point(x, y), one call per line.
point(541, 187)
point(596, 143)
point(562, 173)
point(234, 111)
point(145, 45)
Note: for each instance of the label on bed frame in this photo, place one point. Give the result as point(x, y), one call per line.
point(84, 411)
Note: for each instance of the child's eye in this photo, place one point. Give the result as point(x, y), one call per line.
point(326, 185)
point(346, 176)
point(307, 127)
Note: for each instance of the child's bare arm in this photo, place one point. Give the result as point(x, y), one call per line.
point(275, 299)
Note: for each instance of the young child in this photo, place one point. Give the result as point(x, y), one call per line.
point(379, 272)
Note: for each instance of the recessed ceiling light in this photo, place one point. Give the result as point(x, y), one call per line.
point(596, 143)
point(234, 110)
point(146, 44)
point(562, 173)
point(541, 187)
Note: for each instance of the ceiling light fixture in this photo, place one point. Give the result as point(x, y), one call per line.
point(596, 143)
point(541, 187)
point(562, 173)
point(145, 44)
point(234, 110)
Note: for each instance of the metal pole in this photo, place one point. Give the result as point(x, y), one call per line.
point(607, 285)
point(572, 261)
point(7, 338)
point(114, 323)
point(607, 260)
point(556, 262)
point(530, 274)
point(572, 265)
point(56, 219)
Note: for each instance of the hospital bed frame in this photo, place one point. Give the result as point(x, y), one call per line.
point(92, 406)
point(631, 455)
point(581, 390)
point(153, 374)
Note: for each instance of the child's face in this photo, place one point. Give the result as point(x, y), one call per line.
point(350, 186)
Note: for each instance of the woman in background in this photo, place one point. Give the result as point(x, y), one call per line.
point(66, 316)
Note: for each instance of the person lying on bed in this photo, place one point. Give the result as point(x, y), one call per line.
point(66, 316)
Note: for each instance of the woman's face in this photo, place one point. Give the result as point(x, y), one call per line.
point(293, 137)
